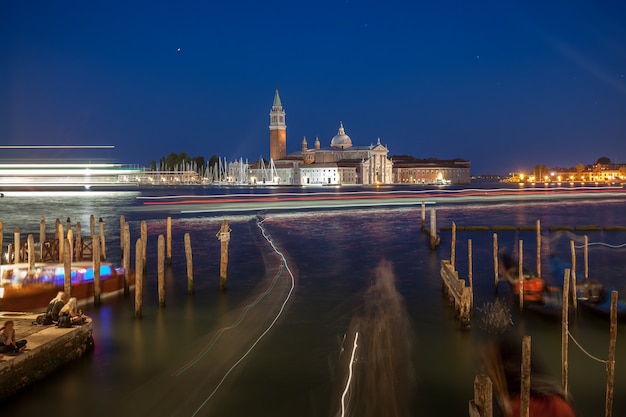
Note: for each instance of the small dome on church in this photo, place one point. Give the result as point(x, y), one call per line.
point(341, 140)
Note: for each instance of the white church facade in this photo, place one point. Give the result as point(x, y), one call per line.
point(341, 163)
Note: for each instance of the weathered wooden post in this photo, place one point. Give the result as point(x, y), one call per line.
point(16, 245)
point(122, 222)
point(224, 237)
point(144, 240)
point(126, 258)
point(520, 277)
point(483, 396)
point(78, 252)
point(573, 274)
point(469, 271)
point(138, 277)
point(10, 252)
point(67, 268)
point(168, 230)
point(423, 216)
point(496, 265)
point(565, 331)
point(68, 224)
point(161, 269)
point(586, 257)
point(61, 237)
point(525, 378)
point(103, 246)
point(539, 248)
point(453, 247)
point(96, 271)
point(1, 238)
point(433, 229)
point(92, 226)
point(610, 363)
point(70, 243)
point(31, 252)
point(42, 236)
point(57, 222)
point(188, 257)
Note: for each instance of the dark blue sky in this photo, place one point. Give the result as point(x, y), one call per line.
point(506, 85)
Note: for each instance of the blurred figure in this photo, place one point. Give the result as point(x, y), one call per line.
point(503, 360)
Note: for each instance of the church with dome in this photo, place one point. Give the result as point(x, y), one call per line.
point(343, 163)
point(337, 164)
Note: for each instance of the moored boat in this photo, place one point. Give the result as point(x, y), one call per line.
point(22, 289)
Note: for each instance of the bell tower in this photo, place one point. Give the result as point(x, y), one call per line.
point(278, 129)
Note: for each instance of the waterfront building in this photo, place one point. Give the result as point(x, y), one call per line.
point(410, 170)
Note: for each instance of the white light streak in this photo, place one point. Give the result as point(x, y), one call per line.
point(345, 392)
point(57, 147)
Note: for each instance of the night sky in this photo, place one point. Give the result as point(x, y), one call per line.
point(506, 85)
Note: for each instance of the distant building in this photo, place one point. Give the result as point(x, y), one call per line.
point(342, 163)
point(410, 170)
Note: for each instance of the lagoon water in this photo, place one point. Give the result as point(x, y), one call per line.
point(281, 340)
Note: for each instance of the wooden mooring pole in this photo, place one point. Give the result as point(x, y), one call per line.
point(521, 274)
point(433, 229)
point(144, 239)
point(586, 257)
point(42, 236)
point(78, 253)
point(126, 258)
point(161, 269)
point(189, 258)
point(539, 248)
point(525, 378)
point(168, 234)
point(138, 278)
point(610, 365)
point(1, 244)
point(565, 331)
point(103, 246)
point(423, 216)
point(31, 252)
point(496, 265)
point(469, 271)
point(97, 290)
point(452, 247)
point(573, 275)
point(122, 223)
point(224, 237)
point(67, 267)
point(16, 245)
point(61, 237)
point(482, 404)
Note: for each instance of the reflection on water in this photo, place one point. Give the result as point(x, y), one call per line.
point(376, 358)
point(340, 289)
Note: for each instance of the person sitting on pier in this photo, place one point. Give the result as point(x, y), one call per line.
point(55, 306)
point(71, 310)
point(8, 344)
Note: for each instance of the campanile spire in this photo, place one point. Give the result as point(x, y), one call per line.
point(278, 129)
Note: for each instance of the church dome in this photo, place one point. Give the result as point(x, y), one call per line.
point(341, 140)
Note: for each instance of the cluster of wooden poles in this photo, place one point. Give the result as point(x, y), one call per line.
point(67, 248)
point(164, 253)
point(461, 295)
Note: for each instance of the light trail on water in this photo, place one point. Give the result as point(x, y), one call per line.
point(271, 325)
point(345, 392)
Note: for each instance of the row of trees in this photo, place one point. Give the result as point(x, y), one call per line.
point(182, 161)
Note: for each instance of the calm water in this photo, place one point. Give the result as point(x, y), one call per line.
point(278, 342)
